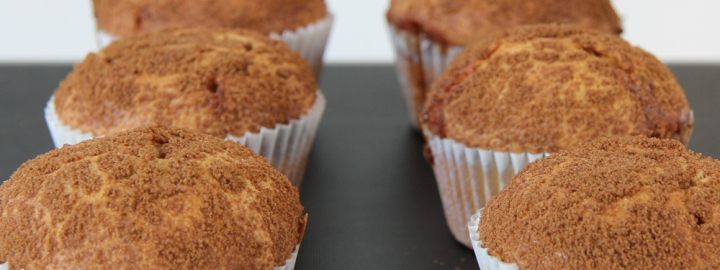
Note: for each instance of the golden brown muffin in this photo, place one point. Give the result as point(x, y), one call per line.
point(546, 88)
point(125, 17)
point(216, 81)
point(458, 22)
point(152, 198)
point(620, 203)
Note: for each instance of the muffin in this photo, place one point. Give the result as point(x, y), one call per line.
point(428, 34)
point(152, 198)
point(303, 25)
point(615, 203)
point(512, 98)
point(238, 85)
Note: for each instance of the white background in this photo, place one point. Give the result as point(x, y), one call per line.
point(62, 30)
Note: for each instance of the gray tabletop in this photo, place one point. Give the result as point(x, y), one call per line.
point(372, 199)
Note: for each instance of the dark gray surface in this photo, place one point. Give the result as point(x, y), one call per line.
point(372, 199)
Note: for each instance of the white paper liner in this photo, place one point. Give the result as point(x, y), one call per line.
point(103, 39)
point(308, 41)
point(60, 133)
point(468, 177)
point(419, 61)
point(289, 263)
point(286, 146)
point(484, 259)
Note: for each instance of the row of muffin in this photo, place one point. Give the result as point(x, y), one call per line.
point(304, 26)
point(235, 84)
point(269, 104)
point(158, 135)
point(508, 100)
point(157, 164)
point(519, 96)
point(508, 94)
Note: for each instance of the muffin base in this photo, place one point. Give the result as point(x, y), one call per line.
point(309, 41)
point(285, 146)
point(468, 177)
point(484, 259)
point(419, 61)
point(289, 263)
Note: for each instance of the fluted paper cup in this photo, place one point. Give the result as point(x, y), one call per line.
point(285, 146)
point(419, 61)
point(484, 259)
point(468, 177)
point(60, 133)
point(309, 41)
point(289, 263)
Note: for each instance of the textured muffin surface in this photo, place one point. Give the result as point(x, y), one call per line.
point(152, 198)
point(126, 17)
point(218, 82)
point(545, 88)
point(622, 203)
point(458, 22)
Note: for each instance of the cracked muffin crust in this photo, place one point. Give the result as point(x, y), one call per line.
point(545, 88)
point(615, 203)
point(153, 198)
point(458, 22)
point(220, 82)
point(125, 17)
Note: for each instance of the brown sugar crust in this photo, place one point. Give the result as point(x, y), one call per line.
point(152, 198)
point(216, 81)
point(122, 18)
point(622, 203)
point(545, 88)
point(458, 22)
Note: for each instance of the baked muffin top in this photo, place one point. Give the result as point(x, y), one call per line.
point(152, 198)
point(459, 22)
point(620, 203)
point(218, 82)
point(126, 17)
point(545, 88)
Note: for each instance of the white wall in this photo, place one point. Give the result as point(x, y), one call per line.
point(62, 31)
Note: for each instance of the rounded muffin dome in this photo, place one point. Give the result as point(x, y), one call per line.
point(459, 22)
point(546, 88)
point(615, 203)
point(123, 18)
point(220, 82)
point(152, 198)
